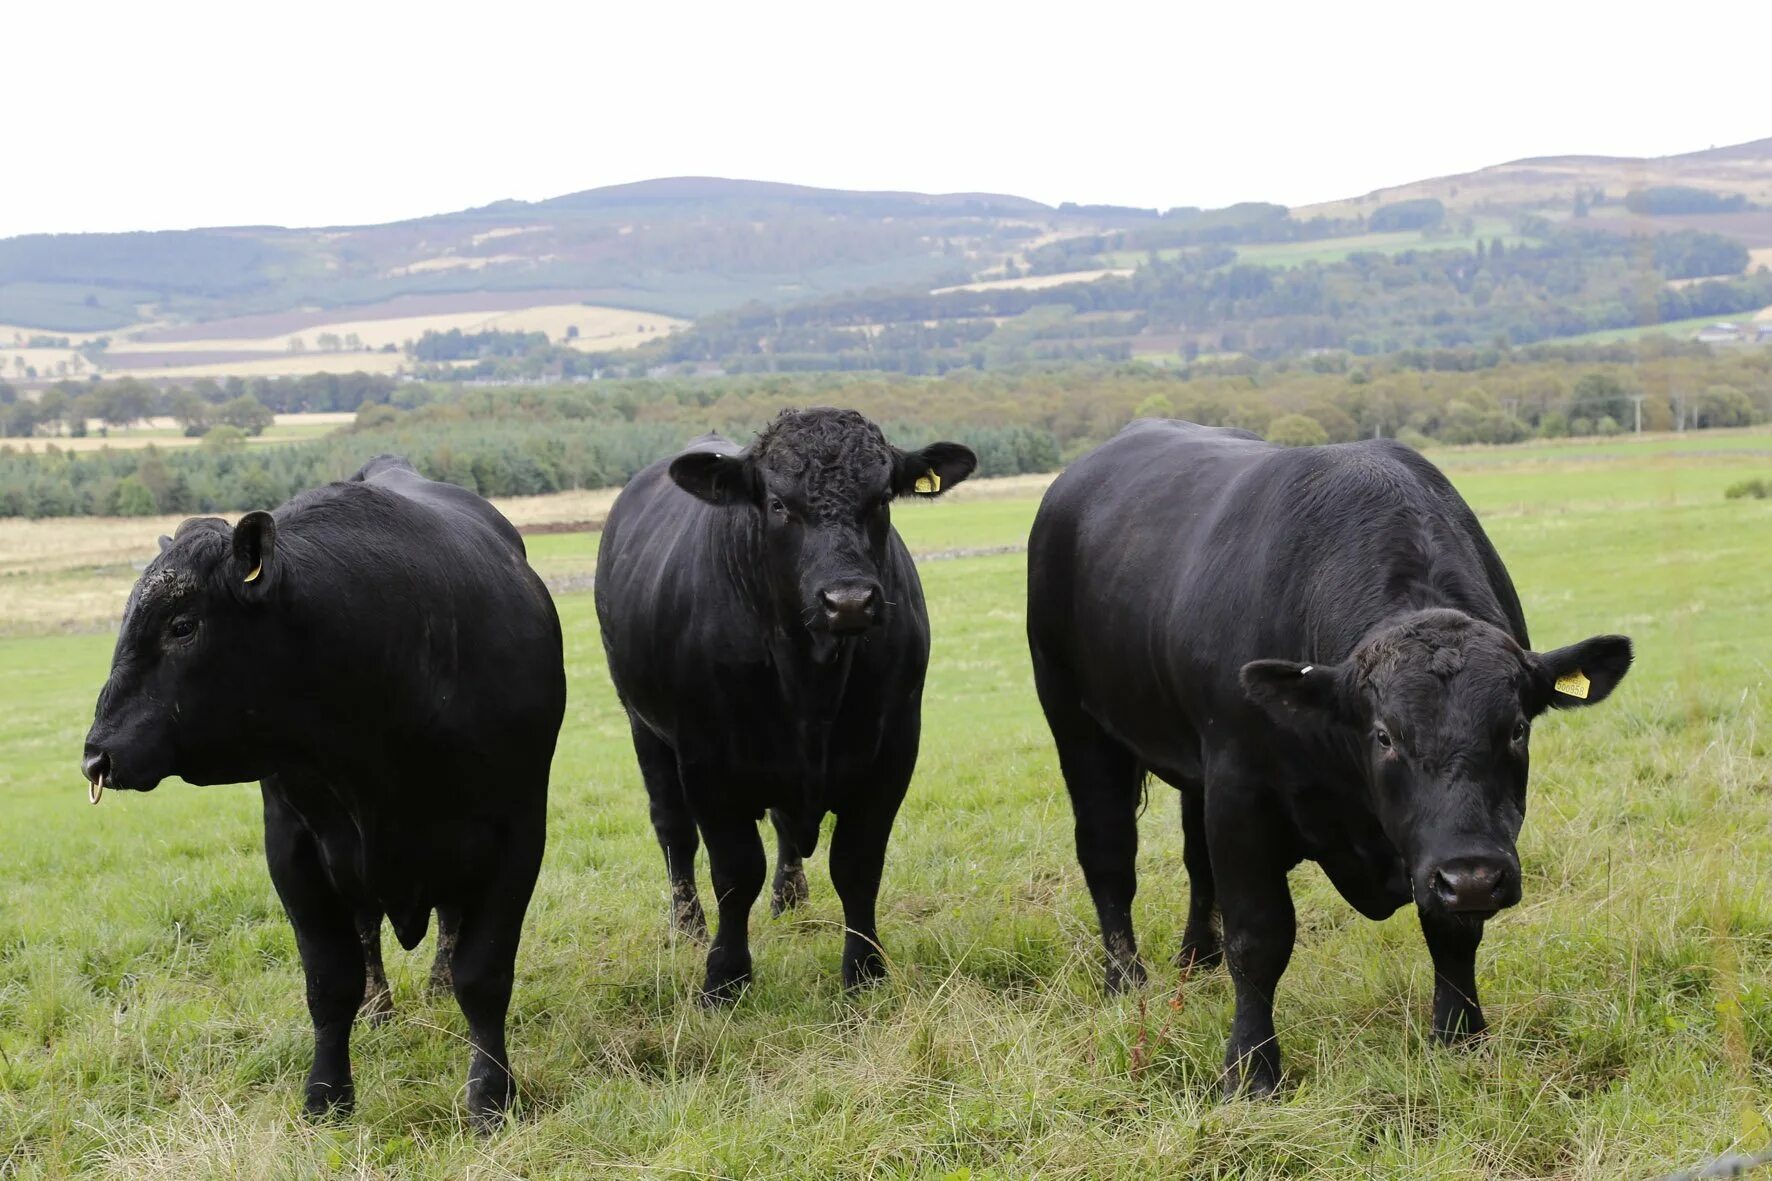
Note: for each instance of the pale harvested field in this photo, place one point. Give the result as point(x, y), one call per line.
point(44, 361)
point(1037, 282)
point(164, 432)
point(17, 334)
point(72, 574)
point(457, 262)
point(273, 365)
point(598, 328)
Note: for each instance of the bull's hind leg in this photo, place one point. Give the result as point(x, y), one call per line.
point(1103, 779)
point(484, 969)
point(1200, 947)
point(675, 826)
point(331, 953)
point(378, 998)
point(790, 888)
point(443, 966)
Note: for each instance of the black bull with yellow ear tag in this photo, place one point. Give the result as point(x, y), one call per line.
point(766, 631)
point(1320, 649)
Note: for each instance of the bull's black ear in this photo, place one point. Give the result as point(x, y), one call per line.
point(932, 470)
point(165, 543)
point(1581, 674)
point(1305, 697)
point(255, 542)
point(713, 477)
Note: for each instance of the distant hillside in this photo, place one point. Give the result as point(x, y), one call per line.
point(784, 276)
point(1550, 185)
point(681, 246)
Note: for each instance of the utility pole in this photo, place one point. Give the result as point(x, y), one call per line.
point(1638, 400)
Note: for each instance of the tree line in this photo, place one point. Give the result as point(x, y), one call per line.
point(526, 440)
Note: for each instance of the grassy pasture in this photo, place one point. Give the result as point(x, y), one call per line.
point(151, 1021)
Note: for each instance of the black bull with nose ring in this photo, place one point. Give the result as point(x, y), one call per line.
point(1321, 650)
point(378, 654)
point(766, 633)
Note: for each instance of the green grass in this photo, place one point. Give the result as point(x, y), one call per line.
point(151, 1019)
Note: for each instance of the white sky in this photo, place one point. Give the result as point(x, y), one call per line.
point(178, 113)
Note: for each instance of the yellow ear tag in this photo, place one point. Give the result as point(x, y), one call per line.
point(928, 483)
point(256, 570)
point(1574, 685)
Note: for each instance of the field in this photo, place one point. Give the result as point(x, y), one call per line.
point(598, 328)
point(1039, 282)
point(152, 1024)
point(259, 346)
point(165, 432)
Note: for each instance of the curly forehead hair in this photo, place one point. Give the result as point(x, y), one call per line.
point(1440, 644)
point(832, 452)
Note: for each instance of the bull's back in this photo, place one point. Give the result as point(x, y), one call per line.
point(1118, 533)
point(1174, 554)
point(482, 618)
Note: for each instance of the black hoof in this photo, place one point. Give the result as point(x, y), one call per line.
point(489, 1103)
point(729, 972)
point(1123, 977)
point(1462, 1030)
point(688, 918)
point(324, 1101)
point(377, 1007)
point(724, 990)
point(864, 970)
point(1255, 1075)
point(1199, 957)
point(790, 891)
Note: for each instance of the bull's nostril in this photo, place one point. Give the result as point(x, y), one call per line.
point(1444, 887)
point(96, 766)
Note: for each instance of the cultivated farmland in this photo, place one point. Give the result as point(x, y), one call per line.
point(151, 1020)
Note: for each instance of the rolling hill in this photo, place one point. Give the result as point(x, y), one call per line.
point(780, 275)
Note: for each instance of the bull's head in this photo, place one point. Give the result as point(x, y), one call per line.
point(820, 484)
point(193, 656)
point(1438, 709)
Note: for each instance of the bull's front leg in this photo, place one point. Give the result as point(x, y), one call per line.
point(858, 858)
point(331, 948)
point(1259, 931)
point(1452, 942)
point(737, 866)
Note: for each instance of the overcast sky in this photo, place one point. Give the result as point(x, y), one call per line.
point(174, 114)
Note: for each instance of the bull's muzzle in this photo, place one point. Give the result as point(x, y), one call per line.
point(850, 607)
point(1474, 885)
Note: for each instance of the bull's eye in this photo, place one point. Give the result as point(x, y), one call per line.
point(1520, 730)
point(182, 628)
point(1382, 736)
point(777, 507)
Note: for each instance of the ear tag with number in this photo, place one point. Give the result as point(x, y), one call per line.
point(1574, 685)
point(258, 569)
point(928, 483)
